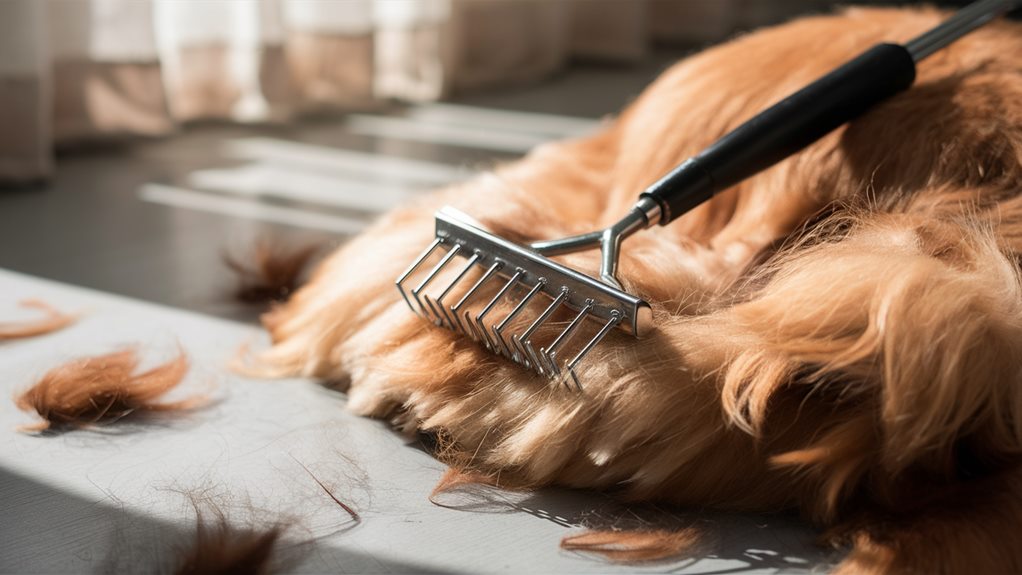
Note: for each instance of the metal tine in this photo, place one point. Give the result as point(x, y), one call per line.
point(540, 368)
point(524, 342)
point(550, 354)
point(545, 315)
point(517, 353)
point(479, 318)
point(433, 273)
point(401, 280)
point(522, 357)
point(434, 309)
point(457, 307)
point(434, 315)
point(615, 318)
point(472, 330)
point(498, 330)
point(457, 279)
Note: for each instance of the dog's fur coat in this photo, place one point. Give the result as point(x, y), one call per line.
point(840, 334)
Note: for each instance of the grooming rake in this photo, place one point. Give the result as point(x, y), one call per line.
point(466, 302)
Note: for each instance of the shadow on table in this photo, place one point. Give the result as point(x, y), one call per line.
point(47, 530)
point(735, 543)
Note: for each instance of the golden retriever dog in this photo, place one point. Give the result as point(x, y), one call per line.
point(840, 334)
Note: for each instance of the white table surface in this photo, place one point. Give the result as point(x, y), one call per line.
point(85, 501)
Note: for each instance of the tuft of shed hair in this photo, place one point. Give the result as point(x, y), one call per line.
point(104, 389)
point(51, 321)
point(271, 270)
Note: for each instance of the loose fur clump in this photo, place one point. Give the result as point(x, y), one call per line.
point(272, 271)
point(52, 320)
point(454, 479)
point(104, 389)
point(221, 549)
point(234, 537)
point(636, 546)
point(840, 334)
point(481, 491)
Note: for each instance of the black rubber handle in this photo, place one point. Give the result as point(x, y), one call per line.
point(785, 128)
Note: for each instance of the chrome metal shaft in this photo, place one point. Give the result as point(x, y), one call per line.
point(646, 213)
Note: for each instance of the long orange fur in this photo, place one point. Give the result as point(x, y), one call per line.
point(841, 334)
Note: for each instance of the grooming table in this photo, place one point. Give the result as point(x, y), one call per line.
point(117, 498)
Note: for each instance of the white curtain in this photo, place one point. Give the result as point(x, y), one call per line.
point(25, 124)
point(74, 70)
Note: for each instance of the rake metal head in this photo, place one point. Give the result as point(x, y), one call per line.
point(473, 298)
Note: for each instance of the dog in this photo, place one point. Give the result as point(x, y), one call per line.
point(840, 334)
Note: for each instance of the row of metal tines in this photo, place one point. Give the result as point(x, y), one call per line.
point(518, 347)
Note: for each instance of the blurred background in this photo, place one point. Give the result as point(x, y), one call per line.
point(142, 138)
